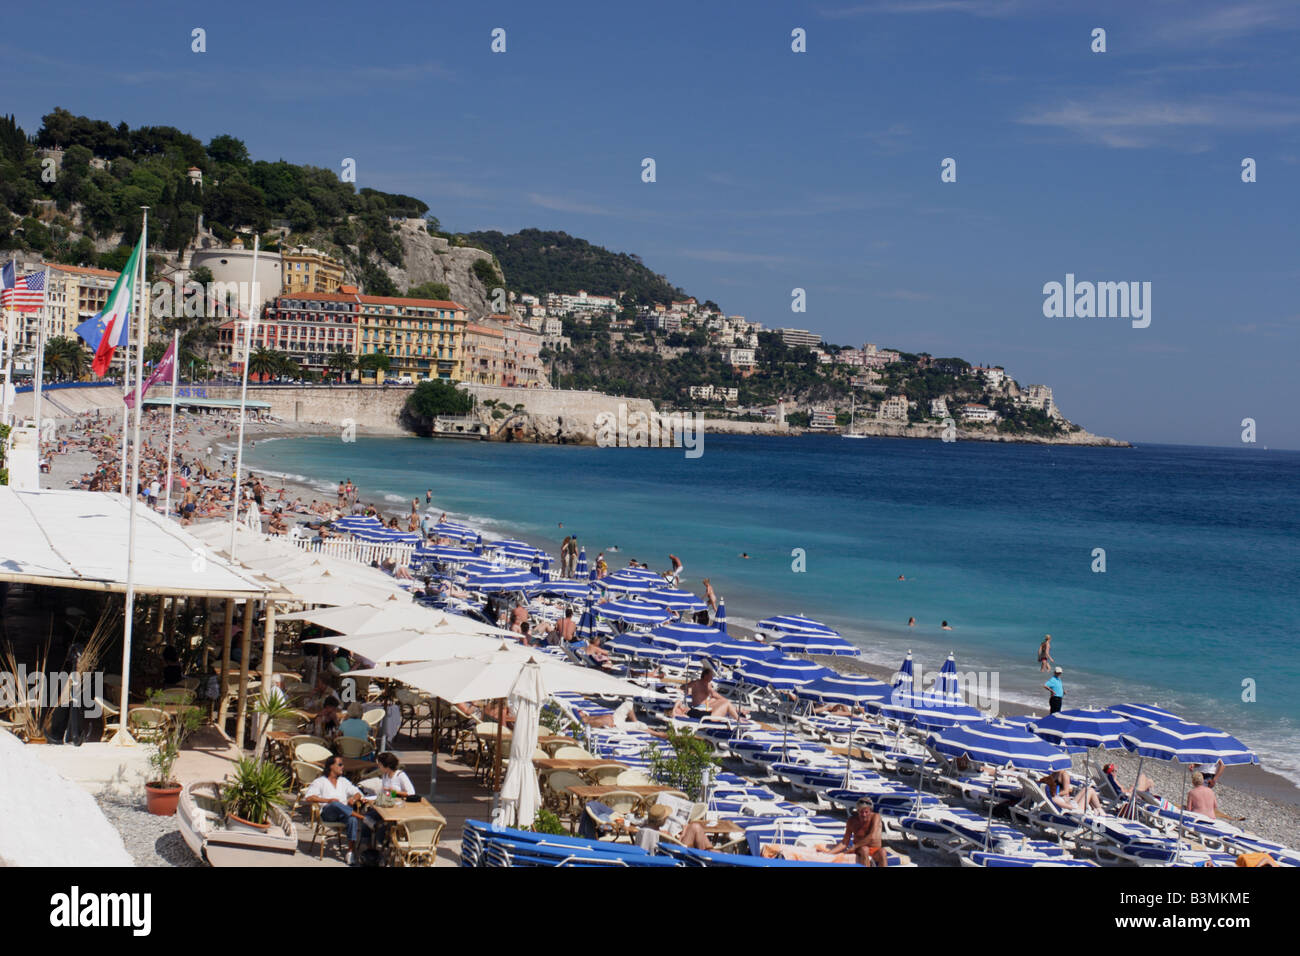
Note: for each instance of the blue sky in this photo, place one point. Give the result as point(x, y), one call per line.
point(819, 170)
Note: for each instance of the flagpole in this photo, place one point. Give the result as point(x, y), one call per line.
point(126, 412)
point(171, 427)
point(243, 399)
point(9, 345)
point(123, 737)
point(39, 368)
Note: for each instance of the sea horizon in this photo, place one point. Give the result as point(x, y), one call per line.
point(997, 539)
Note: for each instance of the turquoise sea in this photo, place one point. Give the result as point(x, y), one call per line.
point(1196, 607)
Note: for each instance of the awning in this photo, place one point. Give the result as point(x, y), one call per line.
point(78, 539)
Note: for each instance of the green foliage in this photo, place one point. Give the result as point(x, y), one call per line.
point(375, 281)
point(430, 290)
point(253, 788)
point(167, 748)
point(684, 765)
point(429, 400)
point(538, 262)
point(547, 821)
point(487, 274)
point(374, 361)
point(4, 441)
point(342, 362)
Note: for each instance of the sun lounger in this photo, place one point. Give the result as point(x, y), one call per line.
point(486, 845)
point(981, 858)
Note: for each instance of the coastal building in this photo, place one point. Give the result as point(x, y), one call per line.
point(975, 412)
point(1040, 397)
point(993, 375)
point(423, 338)
point(309, 327)
point(864, 378)
point(661, 321)
point(521, 362)
point(821, 418)
point(728, 395)
point(310, 270)
point(582, 302)
point(795, 337)
point(485, 350)
point(939, 407)
point(232, 273)
point(740, 358)
point(893, 408)
point(873, 357)
point(700, 391)
point(73, 294)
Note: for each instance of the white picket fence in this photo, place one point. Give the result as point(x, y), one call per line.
point(365, 552)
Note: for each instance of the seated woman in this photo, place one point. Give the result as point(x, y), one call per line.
point(354, 726)
point(1057, 786)
point(692, 835)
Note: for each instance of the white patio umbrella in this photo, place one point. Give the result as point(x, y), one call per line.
point(520, 795)
point(493, 676)
point(387, 616)
point(331, 589)
point(407, 646)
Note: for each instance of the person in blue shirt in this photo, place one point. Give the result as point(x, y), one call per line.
point(1056, 689)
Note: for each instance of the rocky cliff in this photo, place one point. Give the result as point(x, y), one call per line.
point(429, 258)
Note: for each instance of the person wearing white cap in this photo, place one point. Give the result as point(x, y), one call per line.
point(1056, 689)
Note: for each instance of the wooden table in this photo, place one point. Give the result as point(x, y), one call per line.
point(576, 764)
point(403, 811)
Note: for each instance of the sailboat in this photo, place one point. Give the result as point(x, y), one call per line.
point(853, 416)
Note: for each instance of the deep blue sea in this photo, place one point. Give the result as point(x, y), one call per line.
point(1199, 592)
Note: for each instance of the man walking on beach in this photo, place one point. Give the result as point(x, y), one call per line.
point(1057, 691)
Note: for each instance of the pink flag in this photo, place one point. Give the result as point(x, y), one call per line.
point(161, 371)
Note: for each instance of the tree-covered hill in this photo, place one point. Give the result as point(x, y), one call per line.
point(538, 262)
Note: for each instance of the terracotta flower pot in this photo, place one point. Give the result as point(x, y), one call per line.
point(160, 800)
point(239, 822)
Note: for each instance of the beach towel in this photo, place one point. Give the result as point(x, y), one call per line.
point(805, 855)
point(1256, 859)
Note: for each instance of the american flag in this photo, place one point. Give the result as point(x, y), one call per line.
point(24, 293)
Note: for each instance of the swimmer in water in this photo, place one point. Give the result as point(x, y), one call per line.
point(901, 578)
point(946, 626)
point(911, 622)
point(745, 555)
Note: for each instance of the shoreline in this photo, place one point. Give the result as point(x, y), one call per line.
point(1252, 789)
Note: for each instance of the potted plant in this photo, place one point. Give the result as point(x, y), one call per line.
point(250, 793)
point(164, 791)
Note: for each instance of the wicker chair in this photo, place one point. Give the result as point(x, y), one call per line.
point(415, 842)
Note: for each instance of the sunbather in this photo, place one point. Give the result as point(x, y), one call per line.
point(705, 701)
point(1057, 786)
point(862, 836)
point(692, 835)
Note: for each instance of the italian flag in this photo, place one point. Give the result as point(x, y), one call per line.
point(115, 319)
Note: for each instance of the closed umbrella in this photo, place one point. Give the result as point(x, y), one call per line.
point(581, 568)
point(520, 796)
point(720, 619)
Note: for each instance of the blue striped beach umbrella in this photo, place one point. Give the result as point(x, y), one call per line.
point(593, 575)
point(845, 689)
point(734, 652)
point(720, 619)
point(636, 645)
point(903, 679)
point(581, 568)
point(815, 644)
point(945, 685)
point(923, 710)
point(684, 636)
point(999, 744)
point(796, 624)
point(444, 555)
point(632, 612)
point(674, 599)
point(573, 590)
point(460, 532)
point(639, 588)
point(643, 574)
point(1186, 743)
point(1082, 729)
point(1146, 713)
point(491, 581)
point(781, 673)
point(478, 544)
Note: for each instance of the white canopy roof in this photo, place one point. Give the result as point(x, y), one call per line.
point(78, 539)
point(306, 576)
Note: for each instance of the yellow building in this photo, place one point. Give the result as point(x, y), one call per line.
point(423, 338)
point(310, 270)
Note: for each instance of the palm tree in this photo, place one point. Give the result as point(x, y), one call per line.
point(264, 361)
point(65, 359)
point(342, 362)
